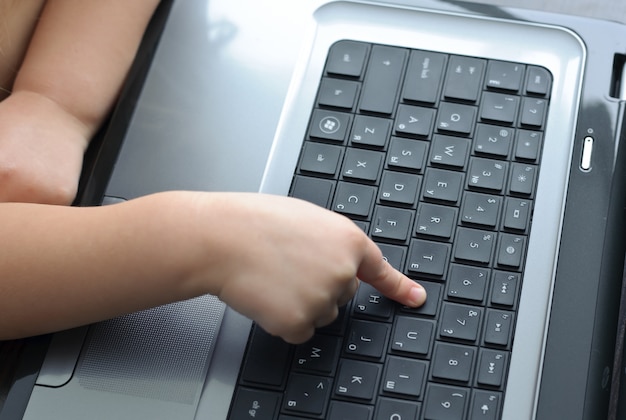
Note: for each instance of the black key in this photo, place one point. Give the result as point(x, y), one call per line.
point(330, 125)
point(370, 131)
point(412, 335)
point(433, 292)
point(357, 379)
point(498, 327)
point(414, 121)
point(522, 179)
point(254, 404)
point(362, 164)
point(307, 394)
point(456, 118)
point(435, 220)
point(267, 359)
point(370, 303)
point(453, 362)
point(533, 112)
point(341, 410)
point(354, 199)
point(426, 257)
point(347, 58)
point(504, 288)
point(528, 145)
point(493, 140)
point(407, 154)
point(460, 322)
point(474, 245)
point(314, 190)
point(464, 78)
point(481, 209)
point(320, 158)
point(391, 223)
point(492, 367)
point(392, 409)
point(404, 376)
point(399, 187)
point(393, 254)
point(424, 76)
point(499, 107)
point(467, 282)
point(382, 80)
point(511, 250)
point(504, 75)
point(445, 402)
point(367, 339)
point(338, 93)
point(487, 174)
point(318, 355)
point(517, 213)
point(485, 405)
point(449, 151)
point(442, 185)
point(538, 81)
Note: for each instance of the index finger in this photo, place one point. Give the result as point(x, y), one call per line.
point(375, 270)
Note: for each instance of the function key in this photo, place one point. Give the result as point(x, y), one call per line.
point(329, 125)
point(528, 145)
point(538, 81)
point(504, 288)
point(533, 112)
point(485, 405)
point(347, 58)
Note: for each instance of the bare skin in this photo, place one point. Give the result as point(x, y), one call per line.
point(73, 266)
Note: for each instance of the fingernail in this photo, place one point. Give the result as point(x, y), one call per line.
point(417, 296)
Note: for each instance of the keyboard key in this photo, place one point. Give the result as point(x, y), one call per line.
point(347, 58)
point(338, 93)
point(307, 394)
point(354, 199)
point(424, 76)
point(511, 250)
point(412, 335)
point(467, 282)
point(414, 121)
point(393, 254)
point(341, 410)
point(504, 288)
point(320, 158)
point(538, 81)
point(382, 79)
point(392, 409)
point(404, 376)
point(485, 405)
point(318, 355)
point(453, 362)
point(499, 107)
point(407, 154)
point(517, 213)
point(498, 327)
point(267, 360)
point(399, 187)
point(392, 223)
point(254, 404)
point(504, 75)
point(487, 174)
point(522, 179)
point(435, 220)
point(493, 140)
point(330, 125)
point(449, 151)
point(442, 185)
point(431, 306)
point(445, 402)
point(362, 164)
point(464, 78)
point(426, 257)
point(314, 190)
point(474, 245)
point(491, 367)
point(481, 209)
point(456, 118)
point(370, 303)
point(357, 379)
point(533, 112)
point(370, 131)
point(367, 339)
point(460, 322)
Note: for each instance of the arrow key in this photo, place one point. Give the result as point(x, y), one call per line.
point(485, 405)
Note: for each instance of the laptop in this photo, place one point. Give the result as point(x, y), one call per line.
point(480, 147)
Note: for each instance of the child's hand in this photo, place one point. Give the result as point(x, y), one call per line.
point(41, 150)
point(290, 265)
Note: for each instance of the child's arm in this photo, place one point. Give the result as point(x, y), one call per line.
point(71, 75)
point(283, 262)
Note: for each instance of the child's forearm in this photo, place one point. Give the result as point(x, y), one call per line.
point(80, 54)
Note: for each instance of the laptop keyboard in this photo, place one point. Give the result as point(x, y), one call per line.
point(436, 157)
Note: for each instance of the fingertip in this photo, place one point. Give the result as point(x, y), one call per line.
point(416, 296)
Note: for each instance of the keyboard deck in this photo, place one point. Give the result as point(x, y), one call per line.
point(436, 157)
